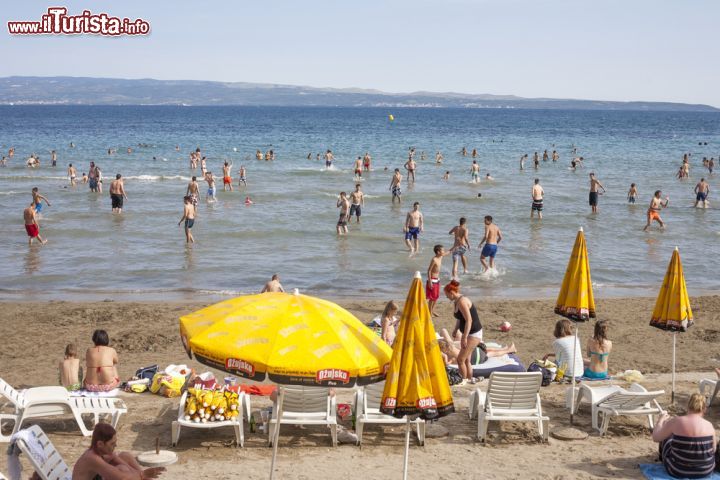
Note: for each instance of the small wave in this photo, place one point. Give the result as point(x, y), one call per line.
point(156, 178)
point(12, 193)
point(32, 177)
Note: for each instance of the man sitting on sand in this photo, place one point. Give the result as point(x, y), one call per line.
point(101, 461)
point(273, 285)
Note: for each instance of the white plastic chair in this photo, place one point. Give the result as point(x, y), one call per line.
point(707, 385)
point(510, 396)
point(305, 406)
point(237, 423)
point(367, 410)
point(632, 402)
point(52, 401)
point(53, 467)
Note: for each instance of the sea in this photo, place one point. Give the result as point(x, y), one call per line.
point(141, 254)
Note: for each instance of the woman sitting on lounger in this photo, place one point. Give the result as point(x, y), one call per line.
point(100, 362)
point(451, 349)
point(687, 443)
point(598, 348)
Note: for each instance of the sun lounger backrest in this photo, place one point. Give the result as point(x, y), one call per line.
point(7, 391)
point(305, 399)
point(54, 467)
point(625, 400)
point(373, 394)
point(508, 390)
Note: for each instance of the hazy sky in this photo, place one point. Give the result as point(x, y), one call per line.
point(656, 50)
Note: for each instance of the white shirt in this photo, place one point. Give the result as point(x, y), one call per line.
point(564, 352)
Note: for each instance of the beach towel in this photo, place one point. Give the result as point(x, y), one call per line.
point(588, 379)
point(260, 390)
point(85, 393)
point(13, 452)
point(656, 471)
point(505, 363)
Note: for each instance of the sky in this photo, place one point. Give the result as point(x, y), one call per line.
point(650, 50)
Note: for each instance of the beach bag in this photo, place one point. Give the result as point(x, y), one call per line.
point(453, 375)
point(147, 372)
point(547, 374)
point(168, 385)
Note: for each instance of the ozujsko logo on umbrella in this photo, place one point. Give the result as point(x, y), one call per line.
point(332, 375)
point(240, 366)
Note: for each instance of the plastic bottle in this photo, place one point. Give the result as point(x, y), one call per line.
point(252, 423)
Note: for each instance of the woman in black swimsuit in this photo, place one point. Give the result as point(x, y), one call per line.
point(468, 324)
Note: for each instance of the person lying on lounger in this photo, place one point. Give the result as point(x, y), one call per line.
point(450, 350)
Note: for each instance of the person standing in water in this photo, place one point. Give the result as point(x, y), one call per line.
point(357, 201)
point(536, 161)
point(227, 179)
point(241, 174)
point(32, 226)
point(413, 227)
point(438, 157)
point(395, 186)
point(193, 191)
point(410, 166)
point(358, 167)
point(117, 194)
point(632, 194)
point(475, 172)
point(594, 194)
point(702, 190)
point(189, 218)
point(344, 205)
point(72, 174)
point(653, 213)
point(37, 200)
point(538, 194)
point(329, 157)
point(460, 246)
point(491, 239)
point(366, 162)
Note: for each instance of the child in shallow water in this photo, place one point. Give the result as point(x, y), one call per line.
point(70, 370)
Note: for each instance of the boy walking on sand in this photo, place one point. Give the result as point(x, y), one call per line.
point(432, 287)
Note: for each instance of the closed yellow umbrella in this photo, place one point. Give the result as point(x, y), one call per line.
point(672, 308)
point(575, 300)
point(416, 382)
point(289, 338)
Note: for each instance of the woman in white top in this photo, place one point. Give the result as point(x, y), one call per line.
point(564, 346)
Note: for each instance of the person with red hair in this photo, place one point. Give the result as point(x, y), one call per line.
point(101, 461)
point(469, 326)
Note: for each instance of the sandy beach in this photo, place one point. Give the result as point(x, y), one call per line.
point(35, 334)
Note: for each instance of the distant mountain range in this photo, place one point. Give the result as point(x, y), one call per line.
point(113, 91)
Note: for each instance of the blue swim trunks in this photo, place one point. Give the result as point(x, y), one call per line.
point(211, 192)
point(489, 250)
point(412, 233)
point(38, 207)
point(459, 252)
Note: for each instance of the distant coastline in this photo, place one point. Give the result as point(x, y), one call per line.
point(20, 90)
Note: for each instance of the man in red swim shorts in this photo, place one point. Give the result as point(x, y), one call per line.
point(432, 286)
point(32, 227)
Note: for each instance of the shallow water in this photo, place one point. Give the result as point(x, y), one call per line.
point(291, 227)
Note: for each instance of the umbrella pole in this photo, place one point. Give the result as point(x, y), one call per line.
point(276, 432)
point(407, 447)
point(672, 395)
point(572, 393)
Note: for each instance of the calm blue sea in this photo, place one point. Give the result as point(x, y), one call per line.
point(290, 229)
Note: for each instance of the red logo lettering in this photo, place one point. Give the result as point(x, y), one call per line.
point(240, 366)
point(332, 375)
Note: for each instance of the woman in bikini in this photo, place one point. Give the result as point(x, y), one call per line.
point(598, 348)
point(100, 361)
point(469, 326)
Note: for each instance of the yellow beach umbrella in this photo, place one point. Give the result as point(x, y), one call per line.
point(291, 339)
point(416, 382)
point(575, 300)
point(672, 308)
point(288, 338)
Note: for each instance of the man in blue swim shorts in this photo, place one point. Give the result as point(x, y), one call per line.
point(491, 239)
point(413, 227)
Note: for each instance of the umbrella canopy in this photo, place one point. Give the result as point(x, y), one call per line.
point(672, 307)
point(289, 338)
point(575, 300)
point(416, 382)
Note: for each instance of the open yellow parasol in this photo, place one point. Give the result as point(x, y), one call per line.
point(416, 381)
point(672, 308)
point(289, 338)
point(575, 300)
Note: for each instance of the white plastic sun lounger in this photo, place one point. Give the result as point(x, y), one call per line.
point(615, 401)
point(52, 466)
point(38, 402)
point(237, 423)
point(708, 385)
point(510, 396)
point(305, 406)
point(367, 410)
